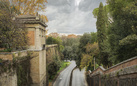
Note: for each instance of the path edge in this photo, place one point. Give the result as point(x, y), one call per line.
point(58, 75)
point(70, 81)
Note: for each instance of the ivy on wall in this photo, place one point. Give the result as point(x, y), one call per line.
point(20, 65)
point(23, 72)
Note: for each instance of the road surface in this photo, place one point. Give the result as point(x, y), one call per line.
point(78, 78)
point(64, 77)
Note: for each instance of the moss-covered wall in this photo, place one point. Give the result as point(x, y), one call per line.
point(122, 74)
point(23, 72)
point(50, 53)
point(15, 72)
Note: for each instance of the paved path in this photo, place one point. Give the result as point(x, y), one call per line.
point(64, 77)
point(78, 78)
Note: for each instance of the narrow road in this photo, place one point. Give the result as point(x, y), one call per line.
point(78, 78)
point(64, 77)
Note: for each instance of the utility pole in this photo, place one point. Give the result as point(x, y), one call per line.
point(94, 63)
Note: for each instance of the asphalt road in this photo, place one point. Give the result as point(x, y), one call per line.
point(78, 78)
point(64, 77)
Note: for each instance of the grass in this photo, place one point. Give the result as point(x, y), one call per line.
point(6, 50)
point(64, 64)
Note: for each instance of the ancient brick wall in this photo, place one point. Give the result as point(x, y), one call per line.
point(122, 74)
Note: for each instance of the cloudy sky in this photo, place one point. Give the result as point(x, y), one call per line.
point(71, 16)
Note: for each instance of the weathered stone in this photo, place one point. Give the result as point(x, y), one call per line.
point(122, 74)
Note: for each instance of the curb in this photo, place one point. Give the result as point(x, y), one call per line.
point(70, 81)
point(58, 75)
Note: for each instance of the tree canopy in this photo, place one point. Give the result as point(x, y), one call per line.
point(11, 35)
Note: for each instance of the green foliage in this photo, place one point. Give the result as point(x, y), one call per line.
point(101, 35)
point(71, 48)
point(86, 61)
point(21, 67)
point(102, 27)
point(88, 48)
point(53, 67)
point(52, 40)
point(64, 64)
point(95, 12)
point(93, 37)
point(84, 40)
point(11, 35)
point(121, 38)
point(6, 50)
point(130, 39)
point(23, 71)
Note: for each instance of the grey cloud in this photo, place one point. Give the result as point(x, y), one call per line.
point(65, 17)
point(57, 2)
point(86, 5)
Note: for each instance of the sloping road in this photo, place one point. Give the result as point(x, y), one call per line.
point(78, 78)
point(64, 77)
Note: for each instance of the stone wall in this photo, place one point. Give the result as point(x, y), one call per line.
point(8, 79)
point(15, 71)
point(51, 51)
point(122, 74)
point(36, 65)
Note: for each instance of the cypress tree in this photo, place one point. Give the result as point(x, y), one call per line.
point(100, 27)
point(101, 36)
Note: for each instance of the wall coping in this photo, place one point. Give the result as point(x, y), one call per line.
point(94, 72)
point(52, 45)
point(8, 53)
point(122, 62)
point(31, 19)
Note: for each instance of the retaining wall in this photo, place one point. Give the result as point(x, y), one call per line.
point(122, 74)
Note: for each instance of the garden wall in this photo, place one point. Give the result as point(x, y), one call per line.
point(122, 74)
point(15, 68)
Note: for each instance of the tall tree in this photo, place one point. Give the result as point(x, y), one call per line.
point(101, 33)
point(123, 30)
point(101, 27)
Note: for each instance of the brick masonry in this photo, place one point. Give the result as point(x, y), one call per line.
point(122, 74)
point(31, 36)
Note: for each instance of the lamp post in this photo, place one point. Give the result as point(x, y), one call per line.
point(94, 63)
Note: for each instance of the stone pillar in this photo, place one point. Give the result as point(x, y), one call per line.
point(37, 39)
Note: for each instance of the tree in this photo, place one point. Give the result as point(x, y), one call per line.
point(71, 47)
point(28, 7)
point(67, 52)
point(52, 40)
point(101, 34)
point(93, 37)
point(122, 30)
point(11, 35)
point(85, 39)
point(92, 50)
point(86, 42)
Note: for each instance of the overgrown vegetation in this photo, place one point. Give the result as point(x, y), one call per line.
point(13, 34)
point(88, 49)
point(23, 72)
point(53, 67)
point(70, 48)
point(64, 64)
point(116, 34)
point(20, 65)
